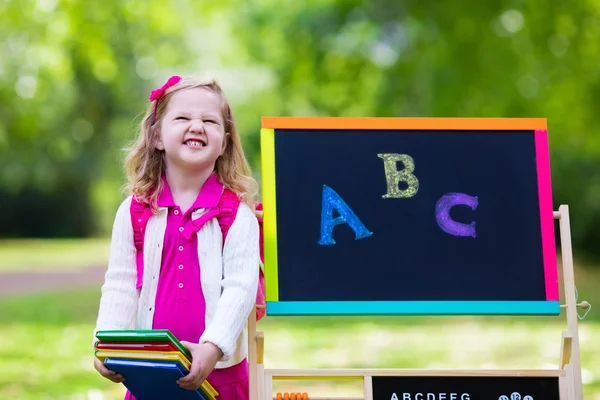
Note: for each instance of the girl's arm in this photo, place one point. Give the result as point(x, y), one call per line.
point(240, 282)
point(118, 304)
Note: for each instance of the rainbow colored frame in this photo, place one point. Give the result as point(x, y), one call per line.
point(550, 306)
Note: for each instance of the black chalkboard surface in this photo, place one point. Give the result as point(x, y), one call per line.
point(465, 388)
point(405, 216)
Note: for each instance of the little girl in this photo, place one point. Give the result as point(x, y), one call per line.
point(193, 284)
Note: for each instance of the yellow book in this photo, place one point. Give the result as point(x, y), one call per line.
point(145, 355)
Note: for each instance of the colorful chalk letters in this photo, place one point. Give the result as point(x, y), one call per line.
point(394, 176)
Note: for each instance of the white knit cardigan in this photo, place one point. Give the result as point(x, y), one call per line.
point(229, 278)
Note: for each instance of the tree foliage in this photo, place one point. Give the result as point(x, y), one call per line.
point(75, 76)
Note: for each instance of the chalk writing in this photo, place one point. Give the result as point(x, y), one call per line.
point(330, 201)
point(394, 176)
point(442, 214)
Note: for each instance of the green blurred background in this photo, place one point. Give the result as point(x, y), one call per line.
point(75, 78)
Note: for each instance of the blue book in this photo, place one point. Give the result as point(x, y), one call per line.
point(153, 379)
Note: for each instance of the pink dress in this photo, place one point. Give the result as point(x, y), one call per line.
point(180, 305)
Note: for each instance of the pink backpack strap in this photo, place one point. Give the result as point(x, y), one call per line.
point(259, 207)
point(261, 300)
point(228, 206)
point(140, 214)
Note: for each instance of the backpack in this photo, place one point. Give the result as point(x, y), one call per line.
point(225, 213)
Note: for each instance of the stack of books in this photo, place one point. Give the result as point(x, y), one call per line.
point(151, 361)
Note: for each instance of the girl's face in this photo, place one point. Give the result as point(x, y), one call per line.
point(192, 130)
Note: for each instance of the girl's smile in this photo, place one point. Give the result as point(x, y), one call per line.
point(195, 143)
point(192, 133)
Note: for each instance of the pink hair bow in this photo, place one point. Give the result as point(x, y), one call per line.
point(157, 93)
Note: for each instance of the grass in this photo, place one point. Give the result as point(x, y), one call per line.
point(44, 254)
point(46, 352)
point(46, 347)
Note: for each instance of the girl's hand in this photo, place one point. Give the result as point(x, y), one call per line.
point(107, 373)
point(204, 359)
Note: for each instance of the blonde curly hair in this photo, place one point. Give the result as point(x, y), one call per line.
point(145, 165)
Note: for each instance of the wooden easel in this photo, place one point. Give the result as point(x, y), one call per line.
point(568, 371)
point(570, 360)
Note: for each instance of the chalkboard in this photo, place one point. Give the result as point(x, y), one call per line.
point(466, 388)
point(408, 216)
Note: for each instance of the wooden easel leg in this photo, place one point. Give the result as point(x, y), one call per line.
point(252, 364)
point(260, 366)
point(571, 301)
point(565, 349)
point(563, 385)
point(368, 387)
point(261, 381)
point(268, 387)
point(570, 383)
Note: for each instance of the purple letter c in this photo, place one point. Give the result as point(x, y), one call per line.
point(442, 214)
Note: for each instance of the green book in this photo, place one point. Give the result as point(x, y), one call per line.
point(143, 335)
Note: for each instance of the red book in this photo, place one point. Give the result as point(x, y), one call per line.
point(148, 346)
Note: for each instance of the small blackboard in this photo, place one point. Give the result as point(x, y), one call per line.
point(408, 216)
point(465, 388)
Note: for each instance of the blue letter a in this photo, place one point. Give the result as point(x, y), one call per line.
point(332, 200)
